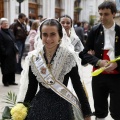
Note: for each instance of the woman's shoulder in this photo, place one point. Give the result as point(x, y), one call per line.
point(32, 31)
point(67, 52)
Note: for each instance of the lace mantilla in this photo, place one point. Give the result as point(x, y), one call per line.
point(62, 64)
point(24, 77)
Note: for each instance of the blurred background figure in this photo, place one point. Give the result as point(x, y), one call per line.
point(12, 25)
point(27, 25)
point(8, 51)
point(20, 32)
point(79, 31)
point(32, 34)
point(40, 17)
point(86, 29)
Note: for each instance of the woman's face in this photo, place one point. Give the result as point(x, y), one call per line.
point(50, 36)
point(66, 23)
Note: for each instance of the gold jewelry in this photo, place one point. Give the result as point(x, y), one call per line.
point(49, 57)
point(59, 42)
point(49, 66)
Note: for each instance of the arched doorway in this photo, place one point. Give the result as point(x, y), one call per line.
point(1, 9)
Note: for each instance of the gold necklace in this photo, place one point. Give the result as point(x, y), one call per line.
point(49, 57)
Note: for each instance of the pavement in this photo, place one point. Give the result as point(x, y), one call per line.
point(86, 76)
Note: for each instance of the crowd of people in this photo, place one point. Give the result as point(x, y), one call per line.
point(56, 52)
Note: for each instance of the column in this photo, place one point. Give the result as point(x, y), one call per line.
point(12, 10)
point(6, 9)
point(69, 8)
point(49, 8)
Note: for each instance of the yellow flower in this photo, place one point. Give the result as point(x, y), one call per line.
point(19, 112)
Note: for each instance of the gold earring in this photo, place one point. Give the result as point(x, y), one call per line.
point(59, 41)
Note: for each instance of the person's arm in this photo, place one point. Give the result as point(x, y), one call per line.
point(2, 46)
point(84, 55)
point(79, 46)
point(32, 37)
point(32, 87)
point(78, 87)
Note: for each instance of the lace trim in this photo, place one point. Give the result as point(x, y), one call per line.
point(24, 77)
point(61, 65)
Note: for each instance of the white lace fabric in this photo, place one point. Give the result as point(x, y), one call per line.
point(65, 59)
point(62, 64)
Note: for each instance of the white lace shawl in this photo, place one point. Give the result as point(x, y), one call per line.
point(63, 62)
point(75, 41)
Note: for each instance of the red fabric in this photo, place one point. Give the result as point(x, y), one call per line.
point(106, 57)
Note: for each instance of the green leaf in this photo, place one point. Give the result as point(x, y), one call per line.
point(10, 98)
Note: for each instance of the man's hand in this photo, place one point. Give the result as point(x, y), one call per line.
point(103, 63)
point(110, 67)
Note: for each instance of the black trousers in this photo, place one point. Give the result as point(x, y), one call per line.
point(8, 78)
point(105, 85)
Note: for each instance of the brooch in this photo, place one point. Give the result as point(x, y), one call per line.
point(43, 70)
point(101, 32)
point(116, 39)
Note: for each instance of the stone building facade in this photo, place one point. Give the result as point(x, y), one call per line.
point(33, 8)
point(80, 10)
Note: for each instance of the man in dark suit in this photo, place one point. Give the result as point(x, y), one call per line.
point(79, 32)
point(104, 40)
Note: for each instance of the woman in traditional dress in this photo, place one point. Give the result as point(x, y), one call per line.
point(73, 42)
point(51, 67)
point(66, 22)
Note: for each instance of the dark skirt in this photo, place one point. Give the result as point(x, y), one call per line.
point(47, 105)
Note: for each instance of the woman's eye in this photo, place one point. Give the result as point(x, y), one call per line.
point(68, 23)
point(52, 34)
point(44, 34)
point(62, 22)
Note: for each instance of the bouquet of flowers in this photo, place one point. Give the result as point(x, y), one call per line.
point(14, 111)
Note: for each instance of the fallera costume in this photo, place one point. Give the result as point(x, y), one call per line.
point(53, 101)
point(75, 41)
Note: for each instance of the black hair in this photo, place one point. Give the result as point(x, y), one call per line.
point(21, 15)
point(67, 17)
point(78, 23)
point(41, 16)
point(108, 5)
point(52, 22)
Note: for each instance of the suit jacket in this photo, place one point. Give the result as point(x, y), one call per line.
point(19, 30)
point(95, 42)
point(80, 33)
